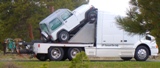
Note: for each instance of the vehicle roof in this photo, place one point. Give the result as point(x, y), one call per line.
point(52, 16)
point(82, 8)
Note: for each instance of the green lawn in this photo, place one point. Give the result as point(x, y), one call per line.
point(66, 64)
point(15, 61)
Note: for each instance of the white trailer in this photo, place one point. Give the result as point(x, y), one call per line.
point(103, 39)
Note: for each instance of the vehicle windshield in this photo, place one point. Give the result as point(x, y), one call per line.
point(44, 28)
point(55, 23)
point(66, 15)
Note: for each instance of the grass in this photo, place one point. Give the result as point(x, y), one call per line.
point(16, 61)
point(66, 64)
point(125, 65)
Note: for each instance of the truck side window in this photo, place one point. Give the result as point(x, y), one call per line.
point(66, 15)
point(55, 23)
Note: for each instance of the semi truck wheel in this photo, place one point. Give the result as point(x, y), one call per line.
point(42, 57)
point(63, 36)
point(141, 53)
point(65, 54)
point(64, 58)
point(56, 54)
point(72, 52)
point(126, 58)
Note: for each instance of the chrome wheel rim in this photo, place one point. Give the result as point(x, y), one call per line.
point(64, 36)
point(142, 53)
point(74, 51)
point(56, 53)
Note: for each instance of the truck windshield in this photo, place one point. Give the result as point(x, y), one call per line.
point(44, 28)
point(55, 23)
point(66, 15)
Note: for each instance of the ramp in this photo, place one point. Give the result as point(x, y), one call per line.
point(85, 35)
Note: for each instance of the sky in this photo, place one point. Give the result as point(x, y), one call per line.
point(117, 7)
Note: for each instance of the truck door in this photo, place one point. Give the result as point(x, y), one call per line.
point(111, 33)
point(129, 39)
point(69, 19)
point(109, 36)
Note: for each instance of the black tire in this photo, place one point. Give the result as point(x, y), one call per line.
point(126, 58)
point(63, 36)
point(141, 53)
point(92, 16)
point(42, 57)
point(72, 52)
point(65, 54)
point(55, 54)
point(64, 58)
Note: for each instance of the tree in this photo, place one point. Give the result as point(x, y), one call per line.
point(79, 2)
point(143, 16)
point(19, 18)
point(18, 14)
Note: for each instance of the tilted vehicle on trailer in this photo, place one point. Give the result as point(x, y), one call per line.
point(62, 23)
point(100, 39)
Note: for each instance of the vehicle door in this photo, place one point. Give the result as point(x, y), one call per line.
point(111, 36)
point(70, 20)
point(129, 39)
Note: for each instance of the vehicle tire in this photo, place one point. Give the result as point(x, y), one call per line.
point(92, 16)
point(64, 58)
point(72, 52)
point(56, 54)
point(126, 58)
point(65, 54)
point(141, 53)
point(63, 36)
point(42, 57)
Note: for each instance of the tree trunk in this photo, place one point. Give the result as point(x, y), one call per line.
point(31, 32)
point(51, 9)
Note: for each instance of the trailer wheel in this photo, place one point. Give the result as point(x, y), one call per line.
point(64, 58)
point(65, 54)
point(56, 54)
point(42, 57)
point(72, 52)
point(63, 36)
point(141, 53)
point(126, 58)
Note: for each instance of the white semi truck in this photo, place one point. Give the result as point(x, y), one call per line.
point(100, 39)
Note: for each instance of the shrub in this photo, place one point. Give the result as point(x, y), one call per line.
point(80, 61)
